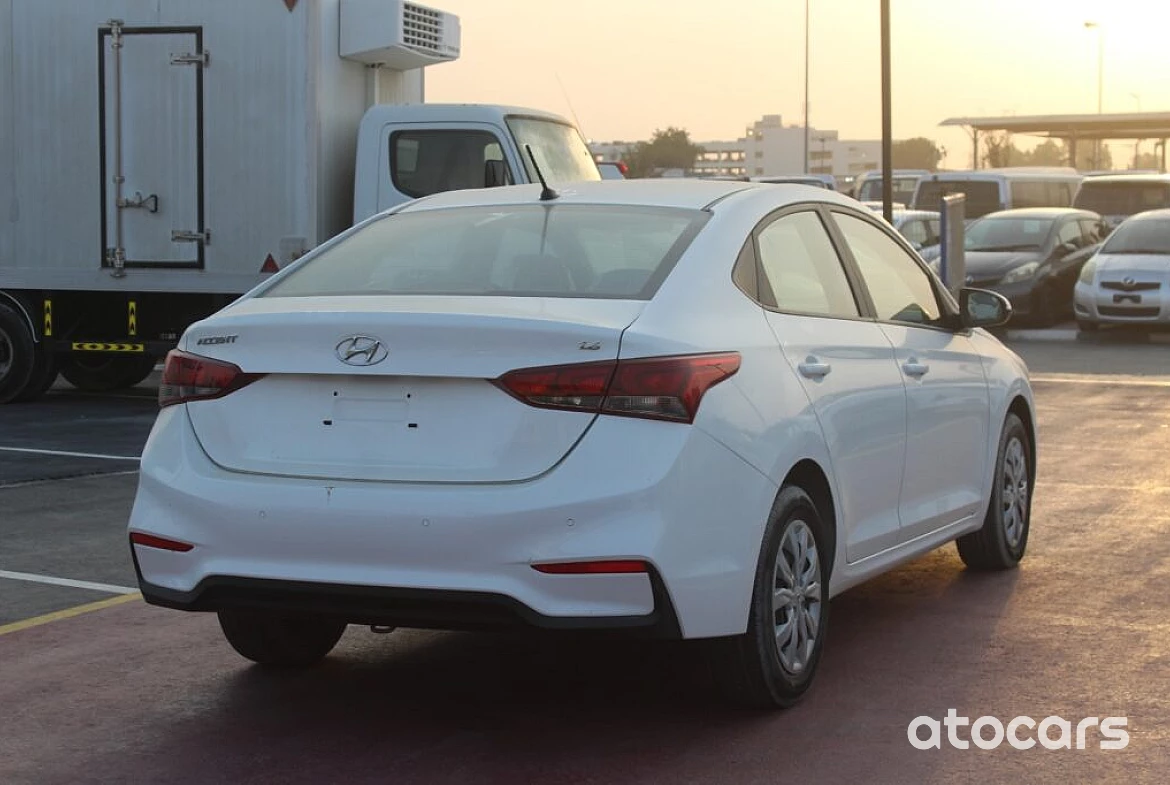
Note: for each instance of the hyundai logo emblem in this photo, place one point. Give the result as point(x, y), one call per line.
point(361, 350)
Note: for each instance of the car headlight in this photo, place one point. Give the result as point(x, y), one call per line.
point(1021, 273)
point(1088, 271)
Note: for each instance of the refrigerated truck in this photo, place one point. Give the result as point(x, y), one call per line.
point(159, 158)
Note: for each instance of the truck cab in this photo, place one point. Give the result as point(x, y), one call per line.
point(407, 152)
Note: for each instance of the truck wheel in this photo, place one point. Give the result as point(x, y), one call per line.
point(17, 355)
point(289, 642)
point(106, 373)
point(44, 373)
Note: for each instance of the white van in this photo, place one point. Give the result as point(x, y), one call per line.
point(1116, 197)
point(992, 190)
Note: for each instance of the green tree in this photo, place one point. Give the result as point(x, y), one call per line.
point(1000, 150)
point(667, 149)
point(1047, 153)
point(1147, 161)
point(1086, 157)
point(916, 153)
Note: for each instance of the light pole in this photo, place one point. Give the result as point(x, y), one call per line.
point(887, 118)
point(806, 126)
point(1100, 81)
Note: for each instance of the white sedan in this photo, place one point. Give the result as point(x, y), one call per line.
point(694, 409)
point(1127, 282)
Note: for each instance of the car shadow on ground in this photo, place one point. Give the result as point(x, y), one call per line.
point(437, 702)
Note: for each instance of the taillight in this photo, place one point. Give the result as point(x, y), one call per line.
point(623, 168)
point(659, 388)
point(189, 377)
point(162, 543)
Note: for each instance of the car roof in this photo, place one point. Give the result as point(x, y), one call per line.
point(670, 192)
point(1041, 212)
point(1126, 178)
point(1162, 214)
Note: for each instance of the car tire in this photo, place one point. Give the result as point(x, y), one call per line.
point(105, 373)
point(1001, 542)
point(1087, 327)
point(280, 641)
point(752, 669)
point(17, 354)
point(1044, 311)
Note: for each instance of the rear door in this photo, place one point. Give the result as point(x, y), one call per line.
point(151, 83)
point(846, 366)
point(946, 390)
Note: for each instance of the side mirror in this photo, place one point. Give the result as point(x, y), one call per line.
point(981, 308)
point(495, 174)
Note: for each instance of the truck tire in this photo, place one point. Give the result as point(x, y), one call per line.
point(44, 373)
point(17, 354)
point(105, 373)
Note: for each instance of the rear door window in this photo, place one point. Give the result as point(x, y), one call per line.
point(801, 272)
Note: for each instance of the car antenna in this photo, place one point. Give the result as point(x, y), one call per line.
point(548, 194)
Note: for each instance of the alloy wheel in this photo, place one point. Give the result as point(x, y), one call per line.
point(797, 597)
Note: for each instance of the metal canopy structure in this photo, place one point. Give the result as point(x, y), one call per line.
point(1073, 128)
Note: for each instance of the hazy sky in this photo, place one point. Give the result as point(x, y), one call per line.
point(628, 67)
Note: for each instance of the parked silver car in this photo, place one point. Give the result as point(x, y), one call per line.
point(1128, 280)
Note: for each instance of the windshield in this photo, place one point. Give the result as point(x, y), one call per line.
point(1143, 236)
point(871, 190)
point(982, 195)
point(1007, 234)
point(618, 252)
point(559, 149)
point(1123, 198)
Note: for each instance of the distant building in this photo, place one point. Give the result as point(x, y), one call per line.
point(769, 148)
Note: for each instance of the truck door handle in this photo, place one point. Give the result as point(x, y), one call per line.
point(914, 368)
point(811, 368)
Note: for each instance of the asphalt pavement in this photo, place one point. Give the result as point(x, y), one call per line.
point(98, 687)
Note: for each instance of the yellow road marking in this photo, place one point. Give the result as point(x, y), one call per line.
point(68, 613)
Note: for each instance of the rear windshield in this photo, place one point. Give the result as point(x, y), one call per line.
point(982, 195)
point(1143, 236)
point(616, 252)
point(1123, 198)
point(1007, 234)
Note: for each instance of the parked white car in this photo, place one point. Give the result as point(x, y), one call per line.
point(688, 408)
point(1128, 280)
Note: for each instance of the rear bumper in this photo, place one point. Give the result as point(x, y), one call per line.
point(452, 556)
point(401, 607)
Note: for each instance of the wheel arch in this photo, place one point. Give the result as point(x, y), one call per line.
point(808, 475)
point(1020, 407)
point(22, 309)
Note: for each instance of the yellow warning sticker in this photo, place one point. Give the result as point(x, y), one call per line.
point(132, 318)
point(48, 318)
point(108, 347)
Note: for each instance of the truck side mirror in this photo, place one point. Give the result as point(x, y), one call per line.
point(495, 174)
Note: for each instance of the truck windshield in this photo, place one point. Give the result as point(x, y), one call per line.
point(590, 251)
point(559, 149)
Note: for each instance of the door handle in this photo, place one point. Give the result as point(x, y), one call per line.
point(914, 368)
point(811, 368)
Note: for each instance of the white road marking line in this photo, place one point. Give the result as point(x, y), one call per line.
point(69, 454)
point(108, 588)
point(1052, 378)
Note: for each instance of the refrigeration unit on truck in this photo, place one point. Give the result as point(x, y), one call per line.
point(159, 159)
